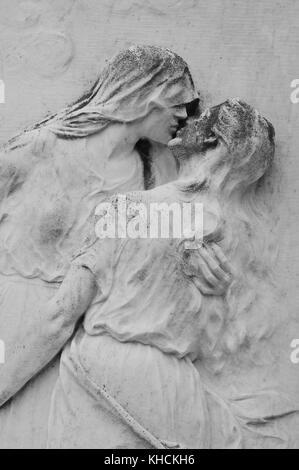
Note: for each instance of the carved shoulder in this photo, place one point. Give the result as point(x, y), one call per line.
point(17, 162)
point(13, 171)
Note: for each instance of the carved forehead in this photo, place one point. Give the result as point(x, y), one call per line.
point(149, 72)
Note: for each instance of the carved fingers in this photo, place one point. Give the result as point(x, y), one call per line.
point(214, 272)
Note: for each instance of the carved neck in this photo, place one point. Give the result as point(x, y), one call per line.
point(117, 140)
point(196, 170)
point(209, 171)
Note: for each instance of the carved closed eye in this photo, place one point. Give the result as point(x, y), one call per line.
point(211, 141)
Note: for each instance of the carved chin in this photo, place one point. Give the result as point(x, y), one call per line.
point(176, 142)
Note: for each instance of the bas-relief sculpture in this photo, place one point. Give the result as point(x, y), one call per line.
point(152, 316)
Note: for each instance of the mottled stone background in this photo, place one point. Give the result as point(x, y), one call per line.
point(52, 50)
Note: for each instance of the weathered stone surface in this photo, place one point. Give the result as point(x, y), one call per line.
point(245, 49)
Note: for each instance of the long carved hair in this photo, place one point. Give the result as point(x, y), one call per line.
point(129, 86)
point(250, 141)
point(245, 316)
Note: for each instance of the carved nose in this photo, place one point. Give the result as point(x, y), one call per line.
point(181, 113)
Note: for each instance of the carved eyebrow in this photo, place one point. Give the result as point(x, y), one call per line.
point(179, 105)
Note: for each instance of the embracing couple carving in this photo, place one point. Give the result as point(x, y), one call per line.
point(145, 326)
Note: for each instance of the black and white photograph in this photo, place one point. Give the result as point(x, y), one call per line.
point(149, 227)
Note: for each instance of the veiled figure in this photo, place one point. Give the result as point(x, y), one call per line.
point(128, 377)
point(51, 178)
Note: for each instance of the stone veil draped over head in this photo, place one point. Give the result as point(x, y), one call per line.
point(124, 92)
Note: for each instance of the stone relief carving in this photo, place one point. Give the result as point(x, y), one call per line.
point(153, 315)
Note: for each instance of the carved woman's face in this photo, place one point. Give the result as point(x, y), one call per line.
point(197, 137)
point(168, 104)
point(162, 123)
point(232, 134)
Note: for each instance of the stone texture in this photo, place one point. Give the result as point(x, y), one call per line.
point(51, 51)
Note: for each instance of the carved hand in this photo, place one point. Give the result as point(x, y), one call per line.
point(214, 272)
